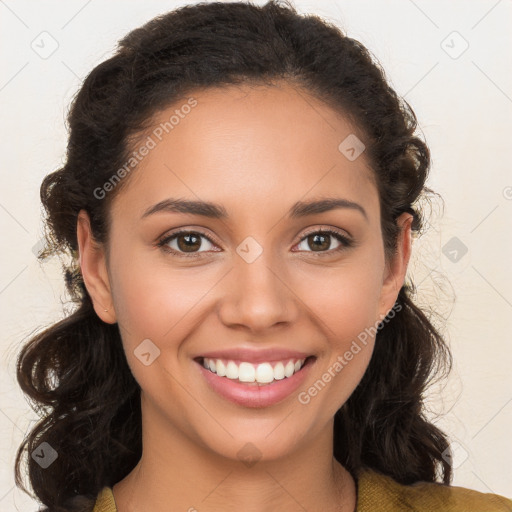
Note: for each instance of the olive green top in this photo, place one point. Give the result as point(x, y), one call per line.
point(377, 492)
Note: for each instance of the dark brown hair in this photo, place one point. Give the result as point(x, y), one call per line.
point(75, 372)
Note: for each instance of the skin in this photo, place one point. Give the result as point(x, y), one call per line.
point(256, 151)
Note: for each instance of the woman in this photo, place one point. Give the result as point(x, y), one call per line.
point(239, 200)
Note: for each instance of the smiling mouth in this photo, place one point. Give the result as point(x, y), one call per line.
point(255, 374)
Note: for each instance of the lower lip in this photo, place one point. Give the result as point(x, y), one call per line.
point(250, 395)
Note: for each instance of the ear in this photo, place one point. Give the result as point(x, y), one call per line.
point(395, 271)
point(93, 266)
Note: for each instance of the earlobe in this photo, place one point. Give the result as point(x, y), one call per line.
point(397, 268)
point(94, 269)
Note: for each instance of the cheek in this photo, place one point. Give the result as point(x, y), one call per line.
point(155, 304)
point(346, 302)
point(156, 301)
point(346, 298)
point(348, 309)
point(164, 303)
point(152, 297)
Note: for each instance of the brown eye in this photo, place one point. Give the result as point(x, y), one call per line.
point(188, 242)
point(184, 242)
point(320, 242)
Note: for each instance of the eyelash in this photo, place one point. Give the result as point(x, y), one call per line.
point(346, 243)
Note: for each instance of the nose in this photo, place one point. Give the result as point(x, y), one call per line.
point(257, 295)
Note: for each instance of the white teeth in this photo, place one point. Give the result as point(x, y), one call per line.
point(289, 369)
point(279, 371)
point(246, 372)
point(262, 373)
point(232, 370)
point(221, 368)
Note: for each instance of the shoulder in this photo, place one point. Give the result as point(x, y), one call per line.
point(380, 492)
point(105, 501)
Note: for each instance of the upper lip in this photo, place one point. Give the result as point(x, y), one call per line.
point(256, 356)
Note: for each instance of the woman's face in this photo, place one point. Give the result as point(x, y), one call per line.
point(257, 279)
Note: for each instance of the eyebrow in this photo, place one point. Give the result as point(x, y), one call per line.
point(217, 211)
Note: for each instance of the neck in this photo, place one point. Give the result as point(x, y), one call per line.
point(176, 470)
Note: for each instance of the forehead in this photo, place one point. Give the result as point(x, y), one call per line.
point(248, 147)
